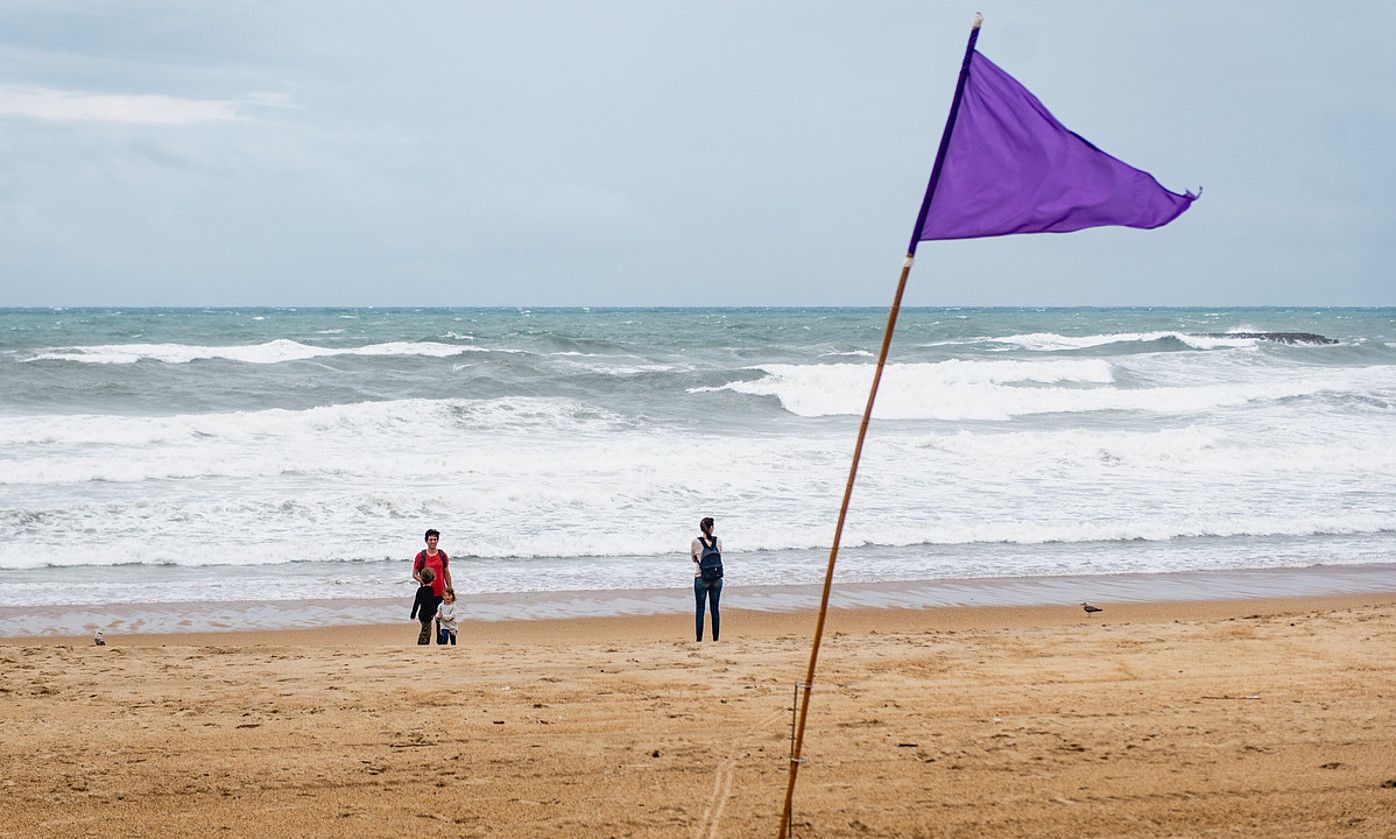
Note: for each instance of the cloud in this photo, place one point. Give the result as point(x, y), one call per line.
point(148, 109)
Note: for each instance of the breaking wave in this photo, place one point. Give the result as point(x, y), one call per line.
point(1053, 342)
point(272, 352)
point(1001, 390)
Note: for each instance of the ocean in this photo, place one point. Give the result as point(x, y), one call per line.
point(276, 458)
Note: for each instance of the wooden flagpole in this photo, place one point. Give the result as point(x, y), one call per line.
point(834, 551)
point(808, 685)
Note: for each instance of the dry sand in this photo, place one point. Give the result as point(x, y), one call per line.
point(1242, 718)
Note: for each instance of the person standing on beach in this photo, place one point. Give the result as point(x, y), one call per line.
point(446, 619)
point(437, 561)
point(706, 552)
point(424, 606)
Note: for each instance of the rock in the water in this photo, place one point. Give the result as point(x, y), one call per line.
point(1280, 337)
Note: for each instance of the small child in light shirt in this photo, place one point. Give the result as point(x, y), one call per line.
point(446, 619)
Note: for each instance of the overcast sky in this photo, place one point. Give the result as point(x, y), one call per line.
point(670, 153)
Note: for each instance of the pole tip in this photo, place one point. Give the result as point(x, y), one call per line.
point(978, 20)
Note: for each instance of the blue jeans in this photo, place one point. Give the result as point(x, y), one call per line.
point(708, 592)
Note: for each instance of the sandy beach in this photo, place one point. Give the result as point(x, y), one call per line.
point(1244, 717)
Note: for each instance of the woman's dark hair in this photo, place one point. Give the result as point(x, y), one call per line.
point(431, 533)
point(706, 525)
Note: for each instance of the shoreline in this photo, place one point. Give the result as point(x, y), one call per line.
point(747, 624)
point(128, 620)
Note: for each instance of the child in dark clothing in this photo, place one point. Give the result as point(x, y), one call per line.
point(424, 607)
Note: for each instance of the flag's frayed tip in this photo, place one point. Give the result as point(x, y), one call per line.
point(978, 20)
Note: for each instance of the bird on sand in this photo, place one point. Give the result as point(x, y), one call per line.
point(98, 639)
point(1090, 609)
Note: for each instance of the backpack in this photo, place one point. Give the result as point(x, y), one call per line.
point(710, 563)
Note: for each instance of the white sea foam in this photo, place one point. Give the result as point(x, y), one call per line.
point(350, 439)
point(536, 478)
point(809, 383)
point(1054, 342)
point(1001, 390)
point(1047, 341)
point(205, 528)
point(1195, 456)
point(515, 413)
point(271, 352)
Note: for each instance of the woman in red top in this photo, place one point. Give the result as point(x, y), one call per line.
point(437, 561)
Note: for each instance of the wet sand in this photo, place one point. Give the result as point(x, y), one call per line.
point(1207, 718)
point(184, 617)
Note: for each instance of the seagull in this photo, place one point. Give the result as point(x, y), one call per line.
point(1089, 608)
point(98, 639)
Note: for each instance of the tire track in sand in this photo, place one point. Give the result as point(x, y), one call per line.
point(722, 782)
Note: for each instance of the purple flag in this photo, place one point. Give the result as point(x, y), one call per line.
point(1005, 165)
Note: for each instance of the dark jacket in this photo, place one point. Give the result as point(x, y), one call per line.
point(424, 607)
